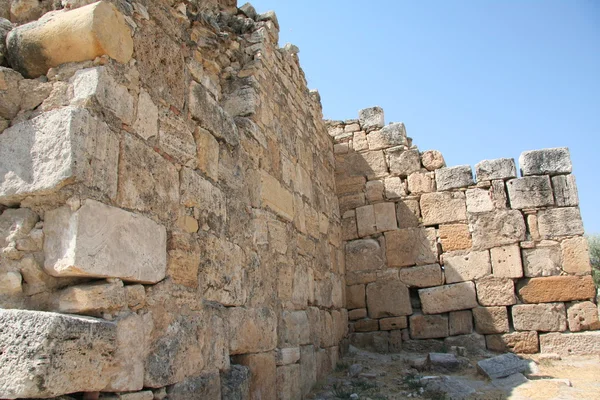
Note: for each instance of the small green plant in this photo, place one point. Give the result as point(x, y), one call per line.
point(412, 381)
point(594, 246)
point(342, 392)
point(342, 366)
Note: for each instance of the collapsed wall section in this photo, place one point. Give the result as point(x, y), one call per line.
point(435, 259)
point(180, 201)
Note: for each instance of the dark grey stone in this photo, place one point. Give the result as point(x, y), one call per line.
point(501, 366)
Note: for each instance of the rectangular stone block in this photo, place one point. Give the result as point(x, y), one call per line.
point(276, 197)
point(403, 162)
point(575, 256)
point(455, 237)
point(371, 118)
point(211, 115)
point(501, 366)
point(48, 354)
point(583, 316)
point(443, 208)
point(491, 320)
point(308, 369)
point(365, 221)
point(492, 291)
point(506, 261)
point(408, 213)
point(557, 288)
point(541, 261)
point(207, 198)
point(385, 216)
point(514, 342)
point(91, 299)
point(374, 191)
point(462, 266)
point(453, 177)
point(530, 192)
point(422, 276)
point(479, 201)
point(421, 182)
point(390, 135)
point(104, 242)
point(357, 313)
point(364, 255)
point(366, 325)
point(539, 317)
point(394, 323)
point(355, 297)
point(288, 382)
point(395, 188)
point(557, 222)
point(496, 228)
point(411, 246)
point(292, 330)
point(545, 161)
point(428, 326)
point(460, 323)
point(54, 149)
point(388, 297)
point(263, 374)
point(441, 299)
point(565, 190)
point(348, 185)
point(251, 330)
point(500, 168)
point(581, 343)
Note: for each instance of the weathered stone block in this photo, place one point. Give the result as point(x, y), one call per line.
point(370, 164)
point(388, 324)
point(235, 383)
point(453, 177)
point(428, 326)
point(356, 314)
point(15, 224)
point(583, 316)
point(441, 299)
point(506, 262)
point(443, 208)
point(68, 145)
point(541, 261)
point(146, 122)
point(365, 221)
point(500, 168)
point(539, 317)
point(581, 343)
point(176, 139)
point(211, 116)
point(371, 341)
point(530, 192)
point(565, 190)
point(355, 297)
point(394, 188)
point(388, 298)
point(557, 288)
point(292, 329)
point(390, 135)
point(432, 160)
point(479, 201)
point(411, 246)
point(91, 299)
point(48, 354)
point(288, 382)
point(385, 216)
point(263, 374)
point(308, 369)
point(501, 366)
point(371, 118)
point(276, 197)
point(106, 242)
point(366, 325)
point(491, 320)
point(460, 323)
point(251, 330)
point(408, 213)
point(455, 237)
point(351, 184)
point(462, 266)
point(496, 228)
point(132, 348)
point(421, 182)
point(546, 161)
point(515, 342)
point(575, 256)
point(403, 162)
point(77, 35)
point(492, 291)
point(556, 222)
point(374, 190)
point(422, 276)
point(363, 254)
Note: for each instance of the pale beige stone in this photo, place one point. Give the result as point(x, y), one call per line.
point(575, 256)
point(515, 342)
point(207, 150)
point(497, 228)
point(459, 296)
point(455, 237)
point(276, 197)
point(557, 288)
point(175, 139)
point(359, 141)
point(385, 216)
point(453, 177)
point(374, 191)
point(288, 382)
point(70, 36)
point(443, 208)
point(103, 241)
point(365, 221)
point(421, 182)
point(357, 313)
point(411, 246)
point(500, 168)
point(490, 320)
point(422, 276)
point(11, 283)
point(91, 299)
point(532, 227)
point(352, 184)
point(530, 192)
point(492, 291)
point(132, 348)
point(539, 317)
point(291, 329)
point(460, 323)
point(146, 122)
point(580, 343)
point(583, 316)
point(542, 261)
point(465, 266)
point(388, 298)
point(364, 254)
point(207, 198)
point(355, 297)
point(506, 261)
point(565, 190)
point(479, 200)
point(432, 160)
point(394, 323)
point(428, 326)
point(370, 164)
point(403, 162)
point(499, 197)
point(251, 330)
point(562, 221)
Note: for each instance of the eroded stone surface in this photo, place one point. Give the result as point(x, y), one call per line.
point(546, 161)
point(539, 317)
point(557, 288)
point(501, 168)
point(459, 296)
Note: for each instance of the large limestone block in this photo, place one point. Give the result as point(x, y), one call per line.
point(583, 316)
point(421, 182)
point(388, 298)
point(506, 261)
point(422, 276)
point(235, 383)
point(479, 200)
point(411, 246)
point(204, 387)
point(541, 261)
point(403, 162)
point(69, 36)
point(455, 237)
point(251, 330)
point(530, 192)
point(288, 382)
point(496, 228)
point(276, 197)
point(581, 343)
point(453, 177)
point(199, 193)
point(371, 118)
point(68, 145)
point(565, 190)
point(263, 374)
point(105, 242)
point(557, 288)
point(491, 320)
point(390, 135)
point(292, 329)
point(91, 299)
point(492, 291)
point(462, 266)
point(557, 222)
point(546, 161)
point(211, 115)
point(443, 208)
point(500, 168)
point(546, 317)
point(460, 322)
point(428, 326)
point(363, 254)
point(515, 342)
point(355, 297)
point(48, 354)
point(575, 256)
point(441, 299)
point(308, 368)
point(432, 160)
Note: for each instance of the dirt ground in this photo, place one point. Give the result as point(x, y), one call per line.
point(366, 375)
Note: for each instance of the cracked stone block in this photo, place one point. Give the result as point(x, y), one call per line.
point(557, 222)
point(530, 192)
point(455, 297)
point(500, 168)
point(390, 135)
point(411, 246)
point(104, 242)
point(545, 317)
point(496, 228)
point(371, 118)
point(565, 190)
point(453, 177)
point(48, 354)
point(54, 149)
point(69, 36)
point(546, 161)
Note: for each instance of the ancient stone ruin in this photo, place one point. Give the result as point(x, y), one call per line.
point(178, 221)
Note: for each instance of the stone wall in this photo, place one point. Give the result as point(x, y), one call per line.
point(169, 224)
point(435, 259)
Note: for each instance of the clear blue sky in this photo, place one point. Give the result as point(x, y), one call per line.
point(474, 79)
